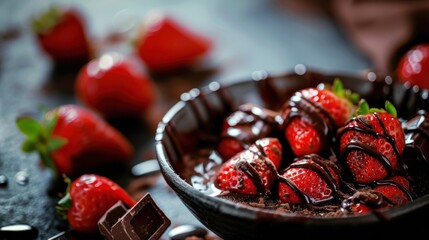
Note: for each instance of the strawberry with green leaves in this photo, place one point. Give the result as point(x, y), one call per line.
point(88, 198)
point(312, 115)
point(371, 143)
point(72, 139)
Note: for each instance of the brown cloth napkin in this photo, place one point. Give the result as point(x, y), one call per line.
point(383, 30)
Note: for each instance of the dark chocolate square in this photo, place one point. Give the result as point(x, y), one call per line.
point(109, 219)
point(144, 220)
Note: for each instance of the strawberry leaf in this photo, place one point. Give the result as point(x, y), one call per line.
point(29, 126)
point(47, 20)
point(339, 90)
point(39, 137)
point(29, 145)
point(390, 108)
point(55, 143)
point(64, 204)
point(51, 122)
point(363, 107)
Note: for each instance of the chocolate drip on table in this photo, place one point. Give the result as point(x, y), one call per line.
point(364, 127)
point(301, 107)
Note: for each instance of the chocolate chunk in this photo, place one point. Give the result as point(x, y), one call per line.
point(184, 231)
point(144, 220)
point(109, 218)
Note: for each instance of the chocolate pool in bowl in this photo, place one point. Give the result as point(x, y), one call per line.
point(187, 135)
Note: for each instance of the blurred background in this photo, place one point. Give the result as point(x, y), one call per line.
point(248, 35)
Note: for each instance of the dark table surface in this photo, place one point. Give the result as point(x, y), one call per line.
point(248, 36)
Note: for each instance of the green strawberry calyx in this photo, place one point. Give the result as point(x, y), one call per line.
point(47, 20)
point(40, 138)
point(338, 89)
point(363, 108)
point(64, 204)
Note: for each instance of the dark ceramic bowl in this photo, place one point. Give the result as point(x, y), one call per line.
point(201, 110)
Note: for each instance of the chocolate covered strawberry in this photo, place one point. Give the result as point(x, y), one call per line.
point(312, 115)
point(61, 32)
point(88, 198)
point(252, 171)
point(164, 44)
point(371, 143)
point(115, 86)
point(72, 139)
point(309, 179)
point(394, 191)
point(244, 126)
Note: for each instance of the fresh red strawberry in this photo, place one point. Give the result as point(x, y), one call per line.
point(115, 86)
point(371, 143)
point(244, 126)
point(62, 34)
point(166, 45)
point(312, 116)
point(253, 170)
point(413, 66)
point(310, 179)
point(72, 139)
point(88, 198)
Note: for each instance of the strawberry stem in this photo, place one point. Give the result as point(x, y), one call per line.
point(338, 89)
point(64, 204)
point(40, 139)
point(47, 20)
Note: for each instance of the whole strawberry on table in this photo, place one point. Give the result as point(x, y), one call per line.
point(62, 34)
point(86, 200)
point(116, 86)
point(165, 44)
point(72, 140)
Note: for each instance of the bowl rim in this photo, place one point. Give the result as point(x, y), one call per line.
point(229, 208)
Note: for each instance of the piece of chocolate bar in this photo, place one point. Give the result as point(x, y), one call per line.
point(111, 217)
point(145, 220)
